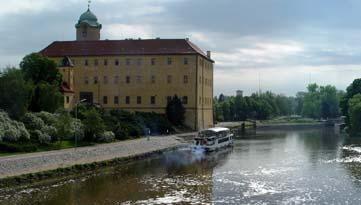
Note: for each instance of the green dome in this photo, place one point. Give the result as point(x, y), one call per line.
point(88, 18)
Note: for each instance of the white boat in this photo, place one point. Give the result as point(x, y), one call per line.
point(213, 139)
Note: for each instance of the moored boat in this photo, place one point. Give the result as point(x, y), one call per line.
point(213, 139)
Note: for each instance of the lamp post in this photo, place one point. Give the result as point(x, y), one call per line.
point(76, 119)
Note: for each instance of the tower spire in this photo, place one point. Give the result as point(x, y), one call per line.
point(89, 2)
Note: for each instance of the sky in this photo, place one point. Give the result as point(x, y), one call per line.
point(275, 45)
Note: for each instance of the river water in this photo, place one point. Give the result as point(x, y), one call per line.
point(271, 167)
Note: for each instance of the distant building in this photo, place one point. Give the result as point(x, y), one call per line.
point(134, 75)
point(239, 93)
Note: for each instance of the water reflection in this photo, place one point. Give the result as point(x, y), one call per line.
point(270, 167)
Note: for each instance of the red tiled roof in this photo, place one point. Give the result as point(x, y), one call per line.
point(122, 47)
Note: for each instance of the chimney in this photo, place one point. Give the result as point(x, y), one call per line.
point(209, 54)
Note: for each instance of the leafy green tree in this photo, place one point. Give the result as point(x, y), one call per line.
point(37, 68)
point(64, 125)
point(329, 102)
point(93, 124)
point(352, 90)
point(311, 102)
point(175, 111)
point(15, 93)
point(43, 73)
point(355, 114)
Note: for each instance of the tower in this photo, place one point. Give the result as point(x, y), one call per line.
point(88, 28)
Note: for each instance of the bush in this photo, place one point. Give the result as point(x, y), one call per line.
point(11, 147)
point(48, 118)
point(355, 114)
point(40, 137)
point(79, 127)
point(40, 132)
point(12, 131)
point(93, 124)
point(106, 137)
point(32, 122)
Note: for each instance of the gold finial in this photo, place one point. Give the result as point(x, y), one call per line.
point(89, 2)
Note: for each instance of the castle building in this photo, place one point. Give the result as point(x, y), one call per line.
point(135, 75)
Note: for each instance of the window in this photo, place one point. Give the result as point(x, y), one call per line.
point(185, 61)
point(152, 100)
point(96, 62)
point(116, 100)
point(105, 100)
point(185, 79)
point(116, 79)
point(169, 98)
point(86, 63)
point(152, 61)
point(105, 62)
point(139, 100)
point(127, 79)
point(127, 100)
point(86, 80)
point(139, 62)
point(96, 80)
point(67, 99)
point(139, 79)
point(185, 100)
point(169, 79)
point(169, 61)
point(116, 62)
point(127, 61)
point(105, 80)
point(152, 79)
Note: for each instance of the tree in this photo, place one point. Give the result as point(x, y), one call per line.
point(15, 93)
point(38, 68)
point(43, 73)
point(64, 125)
point(329, 102)
point(93, 124)
point(175, 111)
point(352, 90)
point(355, 114)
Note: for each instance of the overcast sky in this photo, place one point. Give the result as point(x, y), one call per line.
point(281, 45)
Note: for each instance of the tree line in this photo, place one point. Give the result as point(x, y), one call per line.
point(318, 102)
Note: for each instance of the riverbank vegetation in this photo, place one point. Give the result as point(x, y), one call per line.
point(318, 102)
point(32, 117)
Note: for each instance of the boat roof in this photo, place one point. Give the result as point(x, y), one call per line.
point(217, 129)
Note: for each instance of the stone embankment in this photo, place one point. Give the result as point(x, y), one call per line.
point(45, 161)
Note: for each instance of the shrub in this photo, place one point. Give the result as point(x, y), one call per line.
point(93, 124)
point(48, 118)
point(355, 114)
point(41, 137)
point(12, 131)
point(32, 122)
point(79, 127)
point(106, 137)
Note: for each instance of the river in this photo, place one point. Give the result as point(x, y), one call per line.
point(312, 166)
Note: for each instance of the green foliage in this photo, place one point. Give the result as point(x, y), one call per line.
point(175, 111)
point(355, 114)
point(106, 137)
point(63, 125)
point(15, 93)
point(46, 78)
point(47, 97)
point(125, 124)
point(37, 68)
point(257, 106)
point(321, 102)
point(352, 90)
point(39, 131)
point(12, 131)
point(93, 124)
point(77, 128)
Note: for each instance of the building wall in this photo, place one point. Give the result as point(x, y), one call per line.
point(146, 80)
point(92, 34)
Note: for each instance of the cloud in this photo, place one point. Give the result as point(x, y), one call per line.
point(122, 31)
